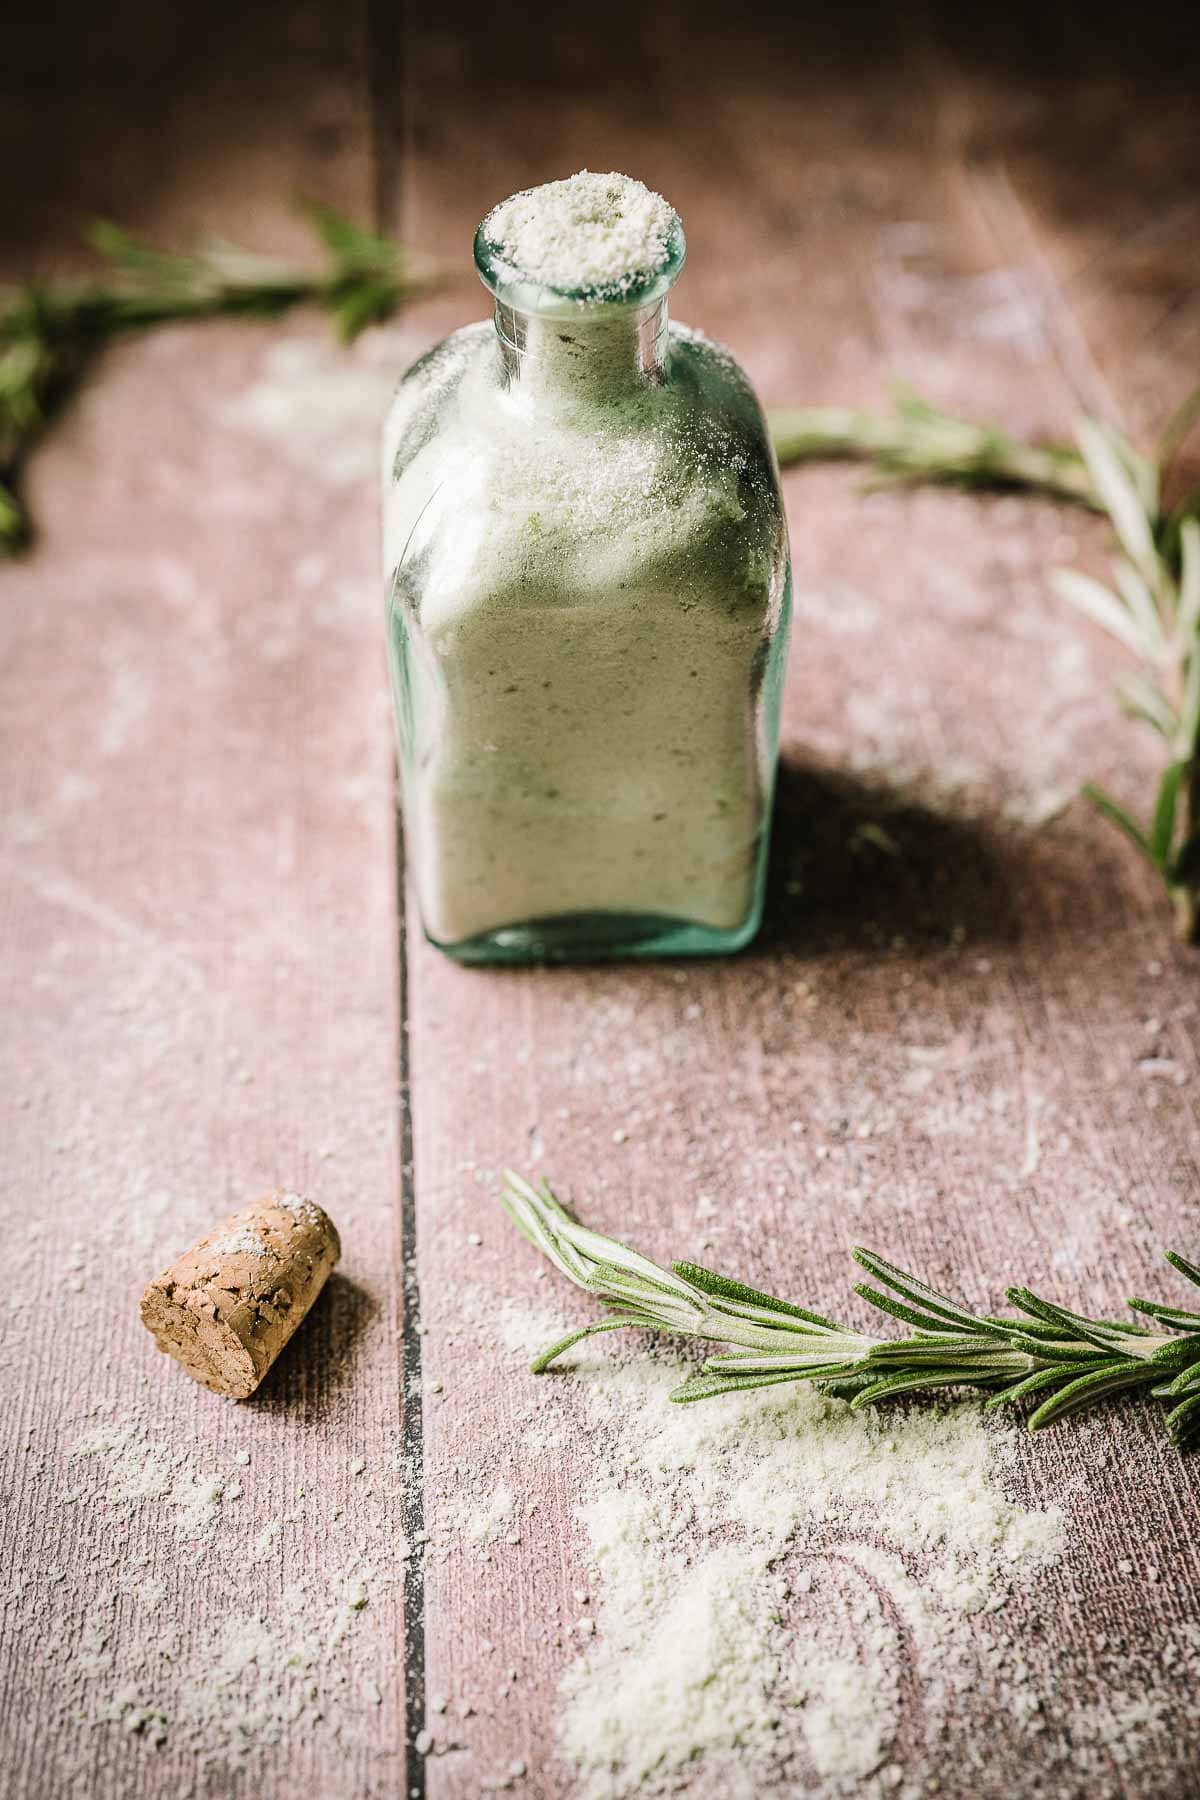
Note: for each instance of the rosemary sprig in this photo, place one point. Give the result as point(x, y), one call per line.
point(1062, 1359)
point(917, 443)
point(1151, 605)
point(49, 331)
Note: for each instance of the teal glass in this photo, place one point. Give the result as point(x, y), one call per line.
point(587, 582)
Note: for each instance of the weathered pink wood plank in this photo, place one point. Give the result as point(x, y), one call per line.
point(978, 1056)
point(197, 957)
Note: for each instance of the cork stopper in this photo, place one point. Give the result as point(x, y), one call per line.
point(226, 1307)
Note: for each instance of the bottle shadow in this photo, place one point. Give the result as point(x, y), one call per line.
point(856, 863)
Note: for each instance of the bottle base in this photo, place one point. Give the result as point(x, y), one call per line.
point(599, 937)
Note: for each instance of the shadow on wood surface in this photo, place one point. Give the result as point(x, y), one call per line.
point(321, 1359)
point(856, 862)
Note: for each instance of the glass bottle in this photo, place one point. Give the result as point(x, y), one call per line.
point(587, 591)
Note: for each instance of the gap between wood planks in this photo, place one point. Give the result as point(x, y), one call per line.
point(387, 67)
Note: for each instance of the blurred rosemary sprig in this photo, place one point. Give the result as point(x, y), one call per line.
point(49, 331)
point(917, 443)
point(1062, 1360)
point(1151, 604)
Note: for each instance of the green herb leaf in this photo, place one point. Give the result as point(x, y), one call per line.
point(721, 1287)
point(1189, 578)
point(1162, 833)
point(923, 1297)
point(1124, 500)
point(1189, 1269)
point(1102, 606)
point(707, 1387)
point(543, 1361)
point(1183, 1423)
point(1104, 803)
point(1086, 1390)
point(1185, 870)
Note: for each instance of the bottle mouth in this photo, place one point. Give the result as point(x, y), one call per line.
point(636, 288)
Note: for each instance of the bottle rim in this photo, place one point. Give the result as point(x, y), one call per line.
point(525, 293)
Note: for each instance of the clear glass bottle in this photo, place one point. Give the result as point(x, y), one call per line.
point(587, 591)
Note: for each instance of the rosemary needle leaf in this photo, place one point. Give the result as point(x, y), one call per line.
point(1139, 698)
point(1168, 1315)
point(1186, 1382)
point(1183, 1423)
point(1184, 1267)
point(1106, 805)
point(1101, 605)
point(1104, 1336)
point(1189, 577)
point(1097, 1384)
point(926, 1298)
point(1125, 498)
point(1162, 833)
point(543, 1361)
point(915, 442)
point(1056, 1352)
point(1037, 1383)
point(724, 1288)
point(1178, 428)
point(908, 1314)
point(706, 1387)
point(922, 1379)
point(1176, 1355)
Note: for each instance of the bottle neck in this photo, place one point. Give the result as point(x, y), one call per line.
point(604, 353)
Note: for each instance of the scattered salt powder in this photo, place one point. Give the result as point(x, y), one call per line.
point(1124, 1726)
point(135, 1469)
point(768, 1569)
point(320, 405)
point(245, 1241)
point(197, 1497)
point(257, 1676)
point(298, 1205)
point(599, 232)
point(249, 1678)
point(265, 1540)
point(523, 1330)
point(482, 1522)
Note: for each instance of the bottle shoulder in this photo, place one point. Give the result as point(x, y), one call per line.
point(712, 371)
point(701, 377)
point(674, 485)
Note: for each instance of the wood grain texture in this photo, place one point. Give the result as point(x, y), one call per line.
point(197, 960)
point(979, 1056)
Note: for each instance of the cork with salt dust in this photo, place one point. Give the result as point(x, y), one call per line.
point(226, 1307)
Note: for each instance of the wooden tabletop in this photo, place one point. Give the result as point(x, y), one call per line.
point(978, 1055)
